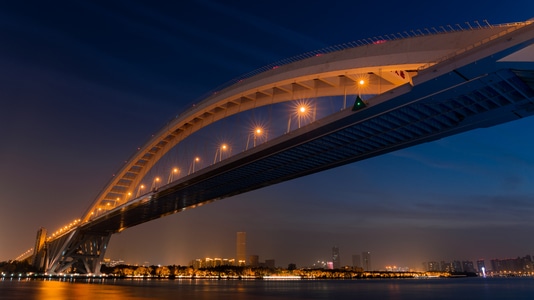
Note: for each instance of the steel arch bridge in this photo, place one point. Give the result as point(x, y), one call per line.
point(423, 88)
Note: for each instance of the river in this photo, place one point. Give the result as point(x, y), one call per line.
point(395, 289)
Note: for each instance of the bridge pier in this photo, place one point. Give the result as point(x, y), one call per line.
point(82, 252)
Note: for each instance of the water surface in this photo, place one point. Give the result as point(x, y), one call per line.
point(396, 289)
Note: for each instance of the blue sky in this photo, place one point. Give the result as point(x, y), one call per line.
point(83, 84)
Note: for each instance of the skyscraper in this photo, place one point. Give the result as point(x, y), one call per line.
point(366, 259)
point(241, 247)
point(335, 257)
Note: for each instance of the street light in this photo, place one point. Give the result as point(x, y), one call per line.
point(362, 82)
point(360, 85)
point(171, 176)
point(193, 163)
point(154, 184)
point(302, 110)
point(220, 150)
point(139, 190)
point(256, 133)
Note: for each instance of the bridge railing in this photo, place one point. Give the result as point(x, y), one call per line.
point(510, 27)
point(24, 255)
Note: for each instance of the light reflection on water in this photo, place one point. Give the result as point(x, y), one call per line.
point(137, 289)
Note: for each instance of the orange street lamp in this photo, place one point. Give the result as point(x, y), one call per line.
point(139, 190)
point(360, 85)
point(301, 112)
point(193, 163)
point(220, 150)
point(256, 133)
point(171, 176)
point(155, 184)
point(362, 82)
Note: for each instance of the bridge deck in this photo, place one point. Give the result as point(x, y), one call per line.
point(342, 138)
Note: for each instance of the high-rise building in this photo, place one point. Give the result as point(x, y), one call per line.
point(356, 261)
point(481, 265)
point(366, 261)
point(38, 249)
point(336, 261)
point(468, 266)
point(241, 247)
point(269, 263)
point(254, 261)
point(457, 266)
point(446, 266)
point(433, 266)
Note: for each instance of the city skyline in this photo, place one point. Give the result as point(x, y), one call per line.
point(515, 263)
point(363, 261)
point(84, 84)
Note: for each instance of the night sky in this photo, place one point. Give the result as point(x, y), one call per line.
point(84, 83)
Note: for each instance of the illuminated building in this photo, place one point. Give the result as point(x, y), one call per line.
point(208, 262)
point(433, 266)
point(512, 265)
point(112, 263)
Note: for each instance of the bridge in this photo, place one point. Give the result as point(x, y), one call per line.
point(394, 91)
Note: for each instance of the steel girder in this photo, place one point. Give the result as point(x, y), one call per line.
point(80, 251)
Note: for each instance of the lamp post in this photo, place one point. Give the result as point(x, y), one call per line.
point(219, 151)
point(155, 184)
point(361, 82)
point(193, 163)
point(171, 175)
point(139, 190)
point(256, 133)
point(302, 111)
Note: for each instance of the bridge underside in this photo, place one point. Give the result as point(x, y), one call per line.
point(382, 66)
point(481, 102)
point(451, 97)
